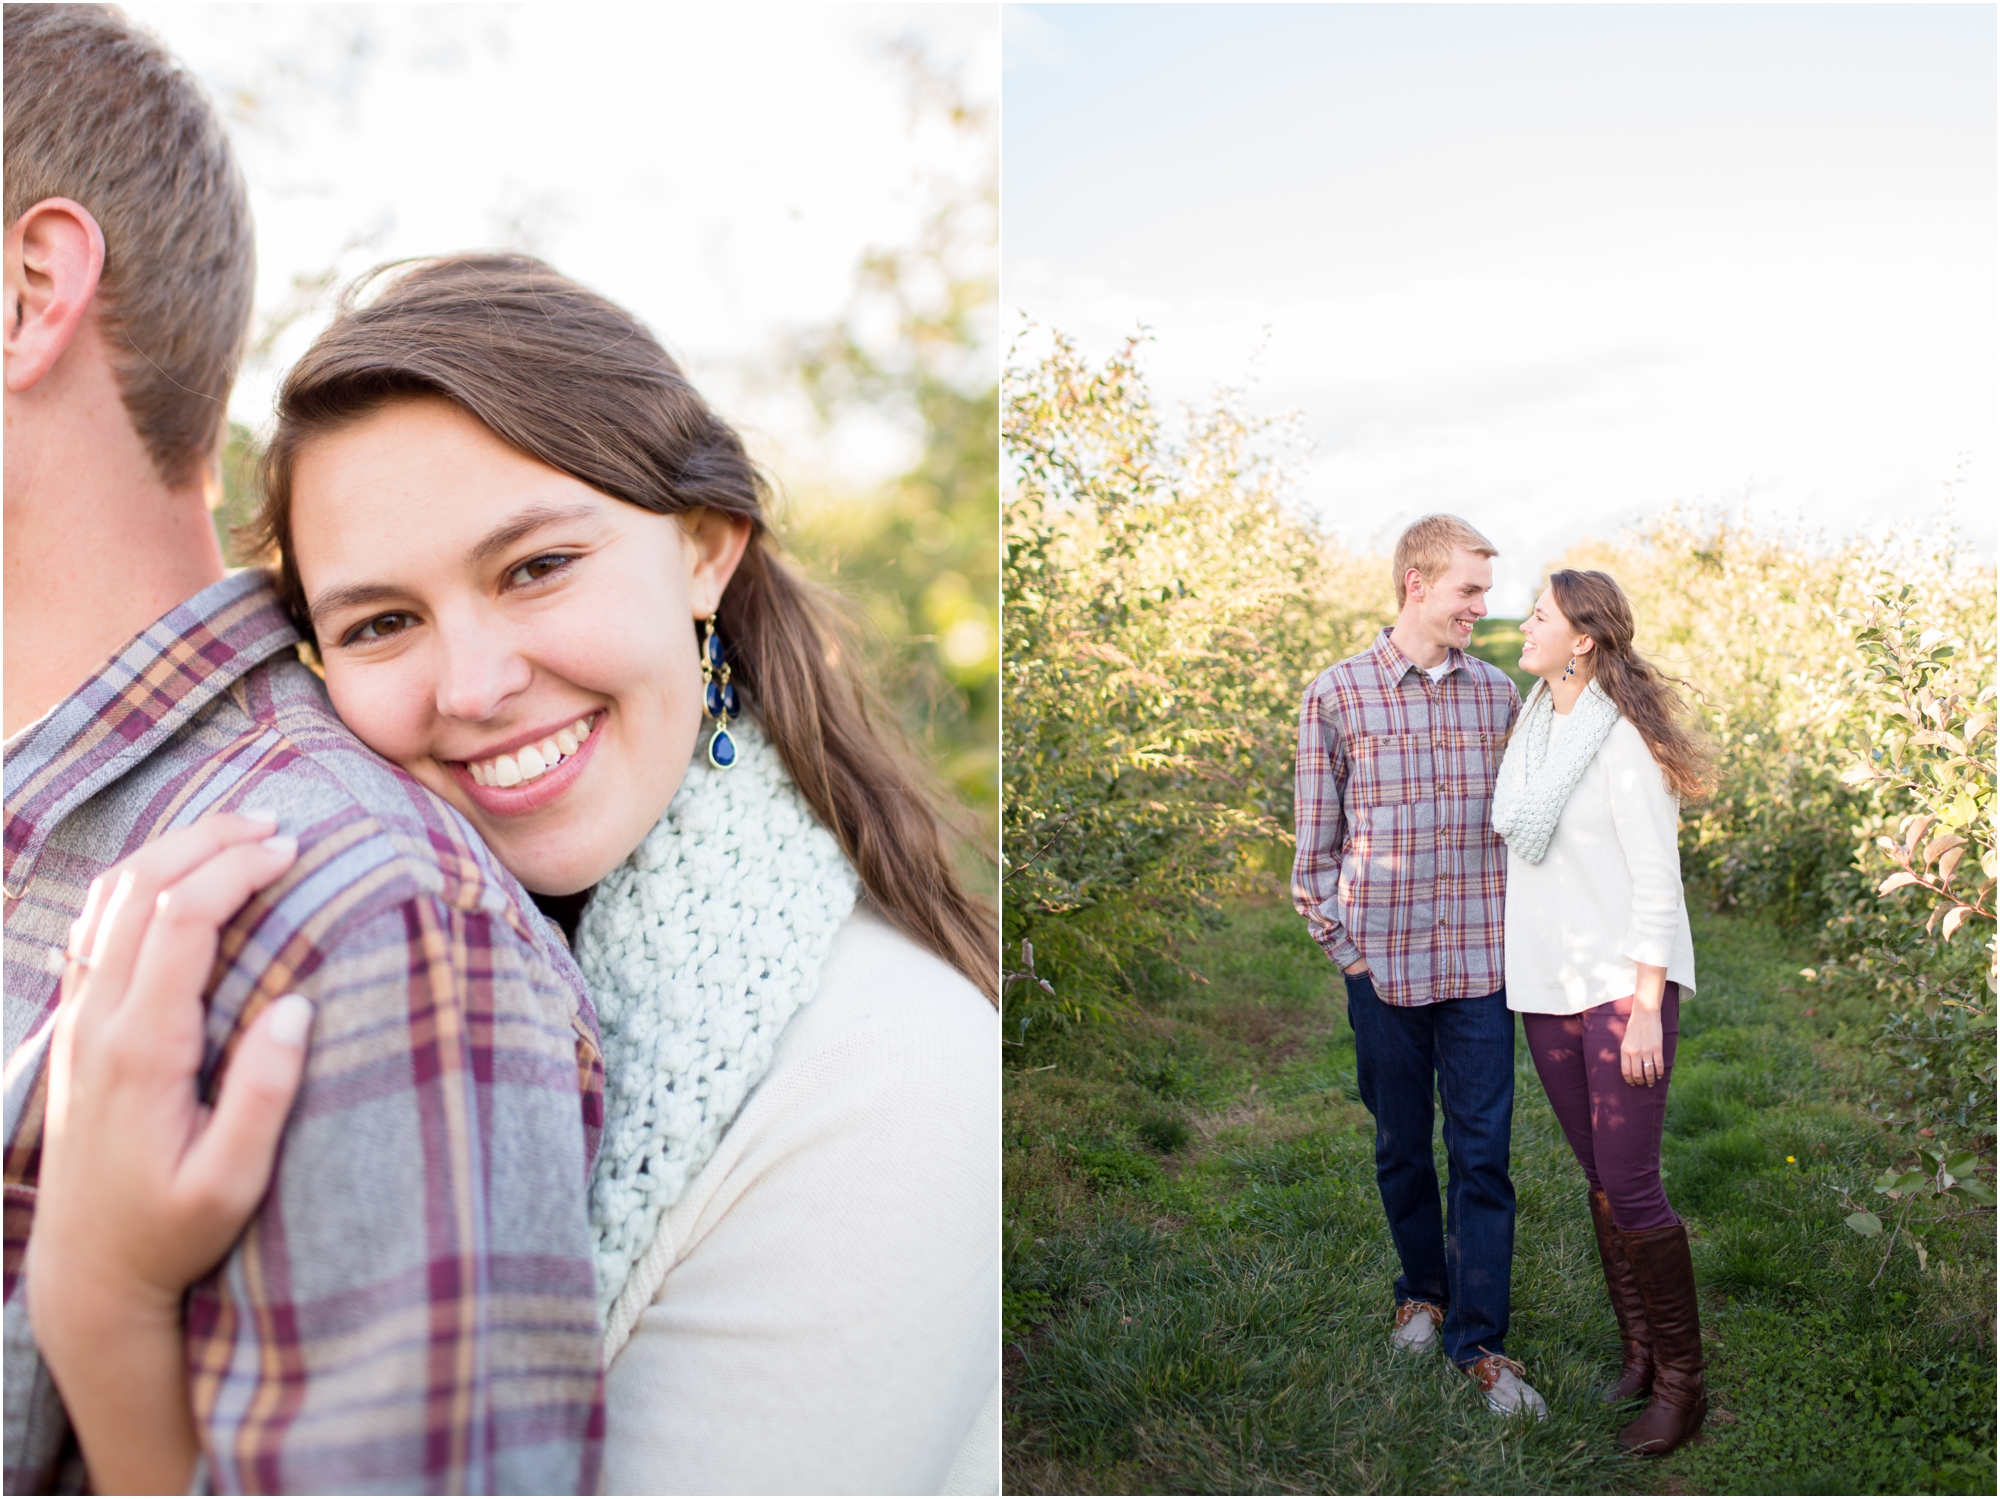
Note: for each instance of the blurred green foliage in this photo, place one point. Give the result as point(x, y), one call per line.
point(918, 558)
point(1165, 609)
point(239, 490)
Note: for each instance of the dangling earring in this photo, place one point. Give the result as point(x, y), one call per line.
point(717, 696)
point(1569, 670)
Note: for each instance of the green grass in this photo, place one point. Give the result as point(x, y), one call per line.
point(1198, 1273)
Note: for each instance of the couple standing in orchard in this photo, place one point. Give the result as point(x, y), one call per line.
point(1463, 856)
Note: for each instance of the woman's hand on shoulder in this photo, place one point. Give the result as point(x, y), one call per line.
point(138, 1175)
point(142, 1186)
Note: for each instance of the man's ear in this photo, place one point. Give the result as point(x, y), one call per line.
point(715, 540)
point(1413, 585)
point(55, 258)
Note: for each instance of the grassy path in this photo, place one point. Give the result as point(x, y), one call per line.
point(1199, 1274)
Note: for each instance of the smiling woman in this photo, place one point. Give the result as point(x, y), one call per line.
point(518, 604)
point(562, 412)
point(531, 558)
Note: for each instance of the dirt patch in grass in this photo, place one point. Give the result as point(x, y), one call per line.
point(1276, 1036)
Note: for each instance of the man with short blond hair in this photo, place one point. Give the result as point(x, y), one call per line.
point(1403, 883)
point(413, 1308)
point(1427, 544)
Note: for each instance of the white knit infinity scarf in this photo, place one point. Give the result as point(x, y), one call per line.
point(1534, 785)
point(698, 949)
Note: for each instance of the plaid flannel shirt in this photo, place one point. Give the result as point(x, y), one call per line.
point(413, 1308)
point(1398, 864)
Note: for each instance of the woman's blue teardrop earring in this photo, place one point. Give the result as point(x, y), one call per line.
point(717, 696)
point(1569, 670)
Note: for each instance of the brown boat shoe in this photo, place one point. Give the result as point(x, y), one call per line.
point(1414, 1332)
point(1503, 1383)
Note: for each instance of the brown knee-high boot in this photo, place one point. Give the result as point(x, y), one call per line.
point(1635, 1376)
point(1664, 1271)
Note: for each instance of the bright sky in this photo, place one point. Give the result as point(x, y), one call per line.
point(718, 169)
point(1551, 267)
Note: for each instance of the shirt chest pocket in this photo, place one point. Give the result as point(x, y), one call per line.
point(1469, 760)
point(1389, 770)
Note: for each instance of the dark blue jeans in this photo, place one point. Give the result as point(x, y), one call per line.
point(1465, 1047)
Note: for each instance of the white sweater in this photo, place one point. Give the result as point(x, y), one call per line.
point(829, 1317)
point(1607, 894)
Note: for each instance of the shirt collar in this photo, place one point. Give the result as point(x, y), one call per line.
point(133, 704)
point(1394, 665)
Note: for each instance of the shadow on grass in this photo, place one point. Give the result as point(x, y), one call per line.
point(1199, 1273)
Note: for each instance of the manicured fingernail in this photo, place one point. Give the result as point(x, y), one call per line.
point(291, 1019)
point(261, 816)
point(282, 843)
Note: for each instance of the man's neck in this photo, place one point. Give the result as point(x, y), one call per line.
point(97, 547)
point(1408, 637)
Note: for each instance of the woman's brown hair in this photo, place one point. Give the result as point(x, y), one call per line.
point(1596, 606)
point(579, 383)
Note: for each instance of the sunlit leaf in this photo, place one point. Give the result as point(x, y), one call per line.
point(1941, 844)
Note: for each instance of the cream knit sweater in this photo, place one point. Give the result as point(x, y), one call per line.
point(1607, 895)
point(829, 1321)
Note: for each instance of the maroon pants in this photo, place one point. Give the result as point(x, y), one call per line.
point(1613, 1126)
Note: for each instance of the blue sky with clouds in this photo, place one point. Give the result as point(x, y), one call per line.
point(1550, 266)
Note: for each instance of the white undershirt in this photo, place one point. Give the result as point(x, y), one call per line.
point(1436, 673)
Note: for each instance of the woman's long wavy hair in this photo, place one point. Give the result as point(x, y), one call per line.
point(1596, 606)
point(574, 380)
